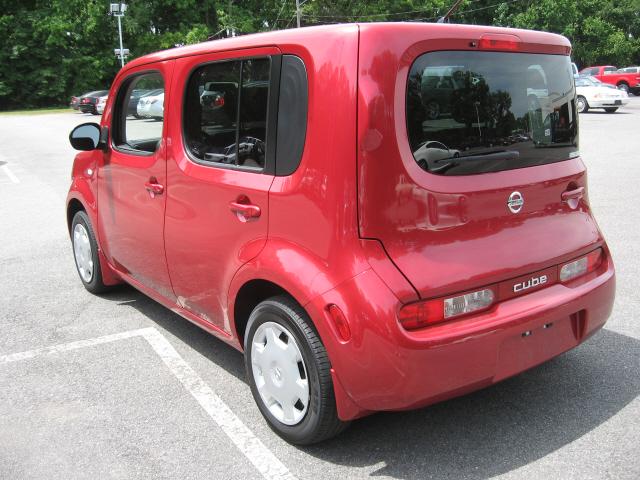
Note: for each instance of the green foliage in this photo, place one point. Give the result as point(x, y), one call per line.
point(53, 49)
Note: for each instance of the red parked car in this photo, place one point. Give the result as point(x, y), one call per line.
point(306, 223)
point(627, 81)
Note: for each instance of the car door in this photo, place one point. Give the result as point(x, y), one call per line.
point(220, 167)
point(132, 185)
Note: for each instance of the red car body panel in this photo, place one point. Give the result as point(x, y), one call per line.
point(358, 224)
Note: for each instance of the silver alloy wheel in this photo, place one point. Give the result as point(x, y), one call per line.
point(82, 252)
point(582, 103)
point(280, 373)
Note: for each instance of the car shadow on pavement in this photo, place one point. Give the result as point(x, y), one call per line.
point(480, 435)
point(501, 428)
point(203, 342)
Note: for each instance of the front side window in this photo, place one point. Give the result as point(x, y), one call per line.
point(140, 113)
point(477, 112)
point(225, 114)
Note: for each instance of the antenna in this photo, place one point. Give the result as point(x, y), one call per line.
point(453, 8)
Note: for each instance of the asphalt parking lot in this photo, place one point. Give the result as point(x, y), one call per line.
point(120, 387)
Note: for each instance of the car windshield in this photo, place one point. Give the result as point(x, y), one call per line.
point(587, 82)
point(478, 112)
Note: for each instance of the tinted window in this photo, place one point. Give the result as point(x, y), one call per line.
point(292, 115)
point(140, 113)
point(477, 112)
point(225, 116)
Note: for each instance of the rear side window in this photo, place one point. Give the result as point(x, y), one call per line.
point(139, 114)
point(472, 112)
point(225, 113)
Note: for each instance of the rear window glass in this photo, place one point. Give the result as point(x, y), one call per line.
point(479, 112)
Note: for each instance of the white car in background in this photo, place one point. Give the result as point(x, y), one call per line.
point(102, 101)
point(591, 93)
point(151, 106)
point(430, 153)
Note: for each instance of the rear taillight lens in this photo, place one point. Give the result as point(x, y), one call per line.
point(581, 266)
point(422, 314)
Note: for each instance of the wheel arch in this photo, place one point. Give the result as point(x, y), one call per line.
point(284, 268)
point(248, 296)
point(73, 206)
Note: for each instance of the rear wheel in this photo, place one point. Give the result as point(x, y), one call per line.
point(581, 104)
point(85, 253)
point(610, 109)
point(289, 373)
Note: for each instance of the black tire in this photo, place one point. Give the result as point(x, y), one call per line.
point(623, 86)
point(321, 420)
point(581, 104)
point(610, 109)
point(95, 284)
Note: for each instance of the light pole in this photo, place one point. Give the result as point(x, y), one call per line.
point(117, 10)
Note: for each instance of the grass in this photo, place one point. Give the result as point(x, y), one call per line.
point(38, 111)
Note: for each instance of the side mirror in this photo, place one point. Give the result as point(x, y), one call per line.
point(86, 136)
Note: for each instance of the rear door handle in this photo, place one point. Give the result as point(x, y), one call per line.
point(154, 188)
point(572, 197)
point(245, 211)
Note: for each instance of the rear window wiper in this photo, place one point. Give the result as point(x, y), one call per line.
point(457, 161)
point(493, 155)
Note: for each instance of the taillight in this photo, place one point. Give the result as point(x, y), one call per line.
point(499, 41)
point(422, 314)
point(581, 266)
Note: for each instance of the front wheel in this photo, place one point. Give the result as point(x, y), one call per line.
point(85, 253)
point(581, 104)
point(610, 109)
point(624, 87)
point(290, 374)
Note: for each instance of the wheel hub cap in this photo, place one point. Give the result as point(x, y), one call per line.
point(82, 252)
point(280, 373)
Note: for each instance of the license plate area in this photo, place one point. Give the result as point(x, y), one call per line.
point(533, 346)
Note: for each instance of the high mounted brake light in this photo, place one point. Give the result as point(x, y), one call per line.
point(499, 41)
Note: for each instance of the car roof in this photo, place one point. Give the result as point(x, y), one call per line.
point(301, 36)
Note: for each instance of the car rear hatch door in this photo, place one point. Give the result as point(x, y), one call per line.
point(499, 192)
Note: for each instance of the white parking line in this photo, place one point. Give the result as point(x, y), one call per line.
point(256, 452)
point(9, 173)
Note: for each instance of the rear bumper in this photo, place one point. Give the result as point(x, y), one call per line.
point(608, 103)
point(384, 367)
point(87, 108)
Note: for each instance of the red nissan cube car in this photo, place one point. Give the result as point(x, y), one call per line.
point(380, 216)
